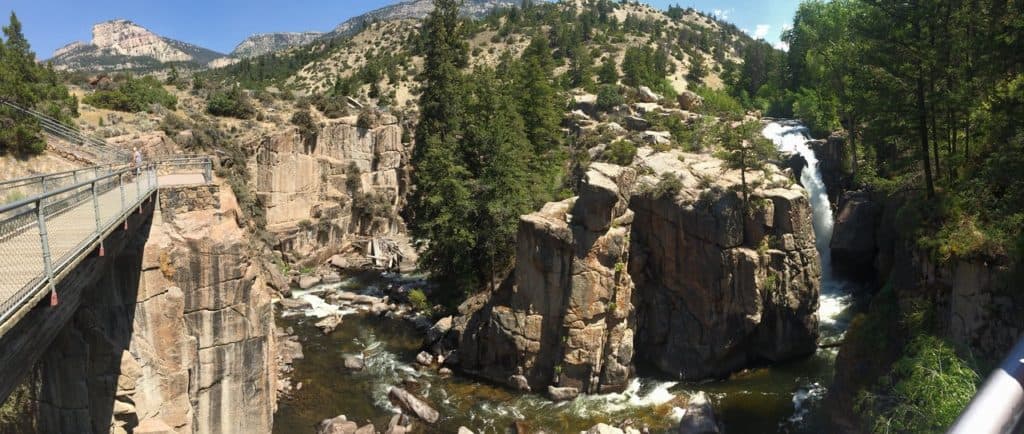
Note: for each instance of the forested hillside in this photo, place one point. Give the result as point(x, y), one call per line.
point(931, 94)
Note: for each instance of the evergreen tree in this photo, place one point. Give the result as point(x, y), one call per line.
point(609, 72)
point(501, 154)
point(580, 70)
point(697, 70)
point(28, 84)
point(541, 106)
point(440, 205)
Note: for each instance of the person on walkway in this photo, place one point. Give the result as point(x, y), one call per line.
point(137, 161)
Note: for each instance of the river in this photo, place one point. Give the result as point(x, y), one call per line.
point(783, 398)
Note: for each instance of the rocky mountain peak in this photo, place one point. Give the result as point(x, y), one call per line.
point(263, 43)
point(129, 39)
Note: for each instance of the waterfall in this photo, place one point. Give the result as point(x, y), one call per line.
point(792, 137)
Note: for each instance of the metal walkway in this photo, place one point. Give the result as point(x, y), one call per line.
point(51, 222)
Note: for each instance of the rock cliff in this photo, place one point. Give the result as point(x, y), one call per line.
point(567, 318)
point(122, 44)
point(263, 43)
point(716, 289)
point(345, 181)
point(176, 337)
point(673, 268)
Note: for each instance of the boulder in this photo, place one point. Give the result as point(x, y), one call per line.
point(647, 107)
point(409, 402)
point(306, 282)
point(657, 137)
point(439, 330)
point(331, 277)
point(464, 430)
point(519, 382)
point(337, 425)
point(690, 101)
point(647, 95)
point(636, 123)
point(353, 362)
point(329, 323)
point(698, 416)
point(602, 428)
point(294, 303)
point(615, 128)
point(338, 261)
point(586, 103)
point(424, 358)
point(854, 234)
point(562, 393)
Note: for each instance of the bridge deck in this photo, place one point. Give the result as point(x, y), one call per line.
point(75, 220)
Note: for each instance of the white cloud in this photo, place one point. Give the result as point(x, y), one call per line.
point(761, 31)
point(722, 14)
point(782, 45)
point(786, 27)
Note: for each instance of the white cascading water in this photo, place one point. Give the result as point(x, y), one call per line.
point(792, 137)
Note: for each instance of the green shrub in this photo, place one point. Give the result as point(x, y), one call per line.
point(331, 106)
point(621, 152)
point(926, 390)
point(231, 103)
point(418, 300)
point(130, 94)
point(719, 102)
point(608, 97)
point(307, 127)
point(668, 186)
point(172, 124)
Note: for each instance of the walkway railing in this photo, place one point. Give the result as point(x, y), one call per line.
point(64, 217)
point(999, 403)
point(99, 149)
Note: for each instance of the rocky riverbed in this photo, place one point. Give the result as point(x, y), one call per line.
point(353, 369)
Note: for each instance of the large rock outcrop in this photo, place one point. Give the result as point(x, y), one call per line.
point(344, 181)
point(566, 317)
point(717, 289)
point(668, 262)
point(178, 337)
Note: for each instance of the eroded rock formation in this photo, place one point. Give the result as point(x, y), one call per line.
point(675, 268)
point(178, 337)
point(346, 180)
point(567, 319)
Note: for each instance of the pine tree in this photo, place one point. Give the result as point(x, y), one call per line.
point(440, 204)
point(541, 107)
point(580, 70)
point(609, 72)
point(496, 142)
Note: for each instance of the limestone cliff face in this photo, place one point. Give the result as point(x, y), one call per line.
point(346, 181)
point(698, 287)
point(129, 39)
point(567, 319)
point(118, 44)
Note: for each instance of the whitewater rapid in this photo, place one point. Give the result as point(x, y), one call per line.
point(792, 137)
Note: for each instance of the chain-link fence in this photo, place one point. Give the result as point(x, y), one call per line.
point(42, 235)
point(17, 189)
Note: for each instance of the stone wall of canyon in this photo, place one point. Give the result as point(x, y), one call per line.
point(320, 192)
point(676, 269)
point(177, 336)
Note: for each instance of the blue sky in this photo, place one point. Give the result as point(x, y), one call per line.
point(221, 24)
